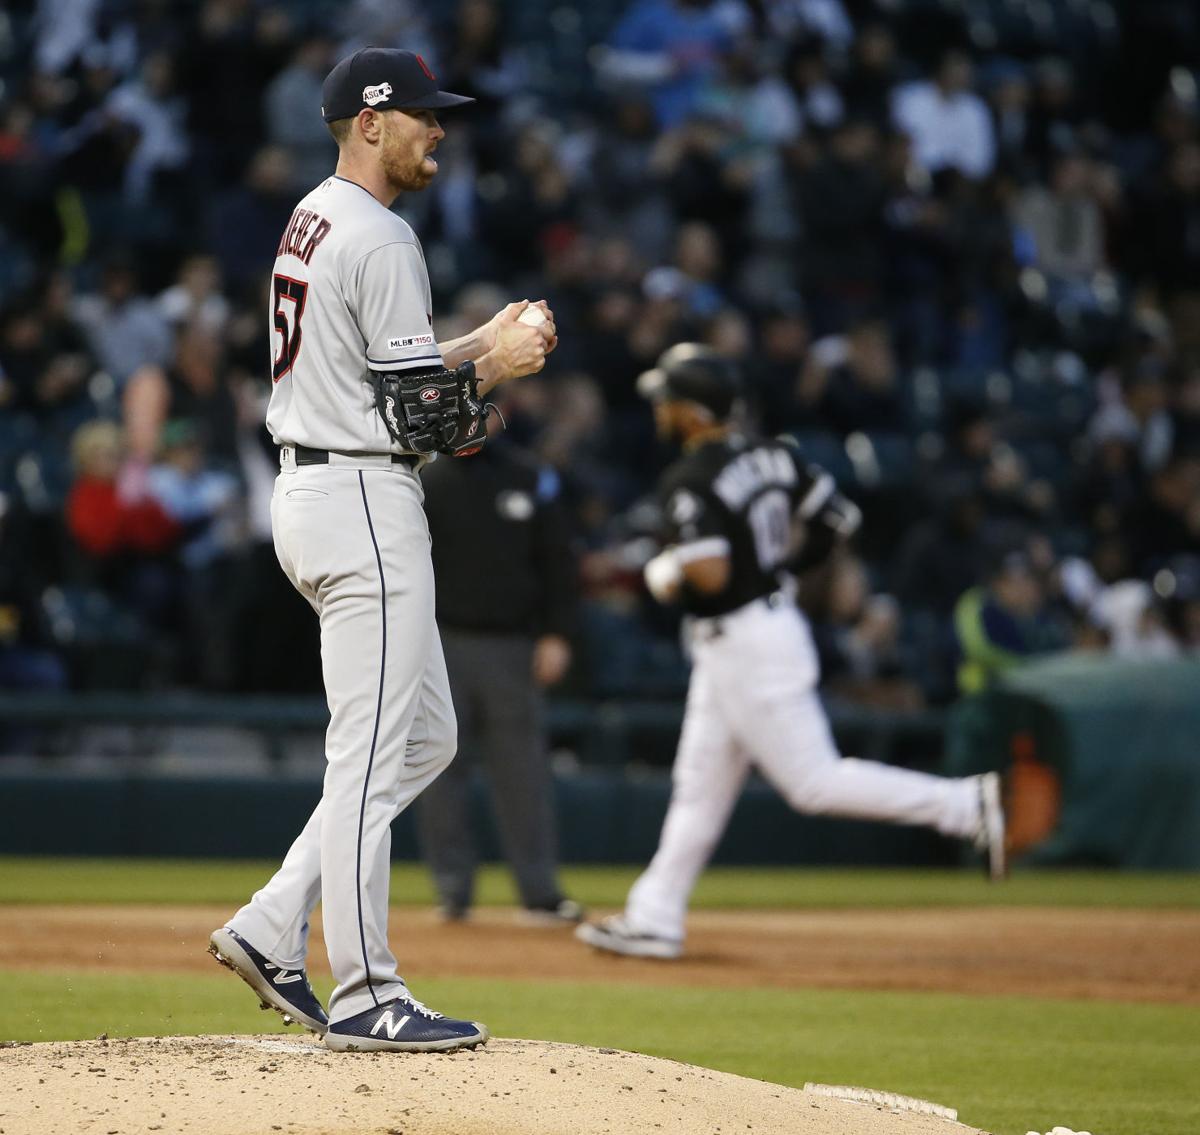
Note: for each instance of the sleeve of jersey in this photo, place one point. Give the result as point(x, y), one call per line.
point(817, 489)
point(826, 514)
point(388, 293)
point(693, 525)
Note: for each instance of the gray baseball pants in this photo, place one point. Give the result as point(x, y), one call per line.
point(499, 711)
point(353, 539)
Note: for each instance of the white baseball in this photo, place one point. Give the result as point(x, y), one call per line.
point(533, 315)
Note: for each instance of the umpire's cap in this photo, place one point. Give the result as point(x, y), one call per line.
point(695, 373)
point(383, 78)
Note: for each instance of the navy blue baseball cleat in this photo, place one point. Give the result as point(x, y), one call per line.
point(286, 990)
point(403, 1025)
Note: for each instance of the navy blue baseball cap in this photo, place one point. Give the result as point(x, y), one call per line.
point(382, 78)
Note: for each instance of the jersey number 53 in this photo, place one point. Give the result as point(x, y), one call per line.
point(289, 298)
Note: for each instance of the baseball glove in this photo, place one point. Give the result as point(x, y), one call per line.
point(438, 412)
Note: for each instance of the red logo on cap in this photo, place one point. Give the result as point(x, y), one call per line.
point(425, 67)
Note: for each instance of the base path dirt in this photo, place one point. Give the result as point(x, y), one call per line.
point(1128, 955)
point(243, 1085)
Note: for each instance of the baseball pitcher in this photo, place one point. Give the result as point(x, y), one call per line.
point(363, 397)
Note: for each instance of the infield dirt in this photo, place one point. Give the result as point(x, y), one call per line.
point(243, 1085)
point(1125, 955)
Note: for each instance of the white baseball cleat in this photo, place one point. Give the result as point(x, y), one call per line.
point(990, 835)
point(616, 936)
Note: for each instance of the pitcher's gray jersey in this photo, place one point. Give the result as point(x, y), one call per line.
point(350, 294)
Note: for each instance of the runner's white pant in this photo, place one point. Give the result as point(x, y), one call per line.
point(752, 702)
point(353, 539)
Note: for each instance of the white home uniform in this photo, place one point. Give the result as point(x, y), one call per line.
point(752, 699)
point(350, 295)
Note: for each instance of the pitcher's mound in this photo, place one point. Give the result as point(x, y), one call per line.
point(256, 1085)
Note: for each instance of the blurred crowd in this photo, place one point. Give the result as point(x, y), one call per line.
point(954, 244)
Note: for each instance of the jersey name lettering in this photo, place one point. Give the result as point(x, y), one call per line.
point(748, 474)
point(303, 235)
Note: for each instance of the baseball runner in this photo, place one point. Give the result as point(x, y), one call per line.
point(363, 397)
point(741, 514)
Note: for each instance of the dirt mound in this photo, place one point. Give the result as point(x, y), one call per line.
point(250, 1085)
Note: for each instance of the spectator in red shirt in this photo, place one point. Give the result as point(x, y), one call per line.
point(109, 515)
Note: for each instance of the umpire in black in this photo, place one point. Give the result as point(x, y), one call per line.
point(506, 599)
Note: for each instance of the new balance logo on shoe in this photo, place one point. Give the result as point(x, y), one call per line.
point(282, 977)
point(387, 1021)
point(272, 983)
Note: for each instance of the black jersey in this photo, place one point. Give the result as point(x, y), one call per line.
point(738, 497)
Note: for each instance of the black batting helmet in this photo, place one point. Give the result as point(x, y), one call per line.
point(695, 373)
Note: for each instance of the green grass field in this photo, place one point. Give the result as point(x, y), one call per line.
point(44, 880)
point(1008, 1064)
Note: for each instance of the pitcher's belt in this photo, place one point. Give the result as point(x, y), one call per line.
point(304, 455)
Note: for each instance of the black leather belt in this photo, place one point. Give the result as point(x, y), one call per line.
point(306, 456)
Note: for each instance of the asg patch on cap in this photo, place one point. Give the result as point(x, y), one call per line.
point(383, 78)
point(381, 93)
